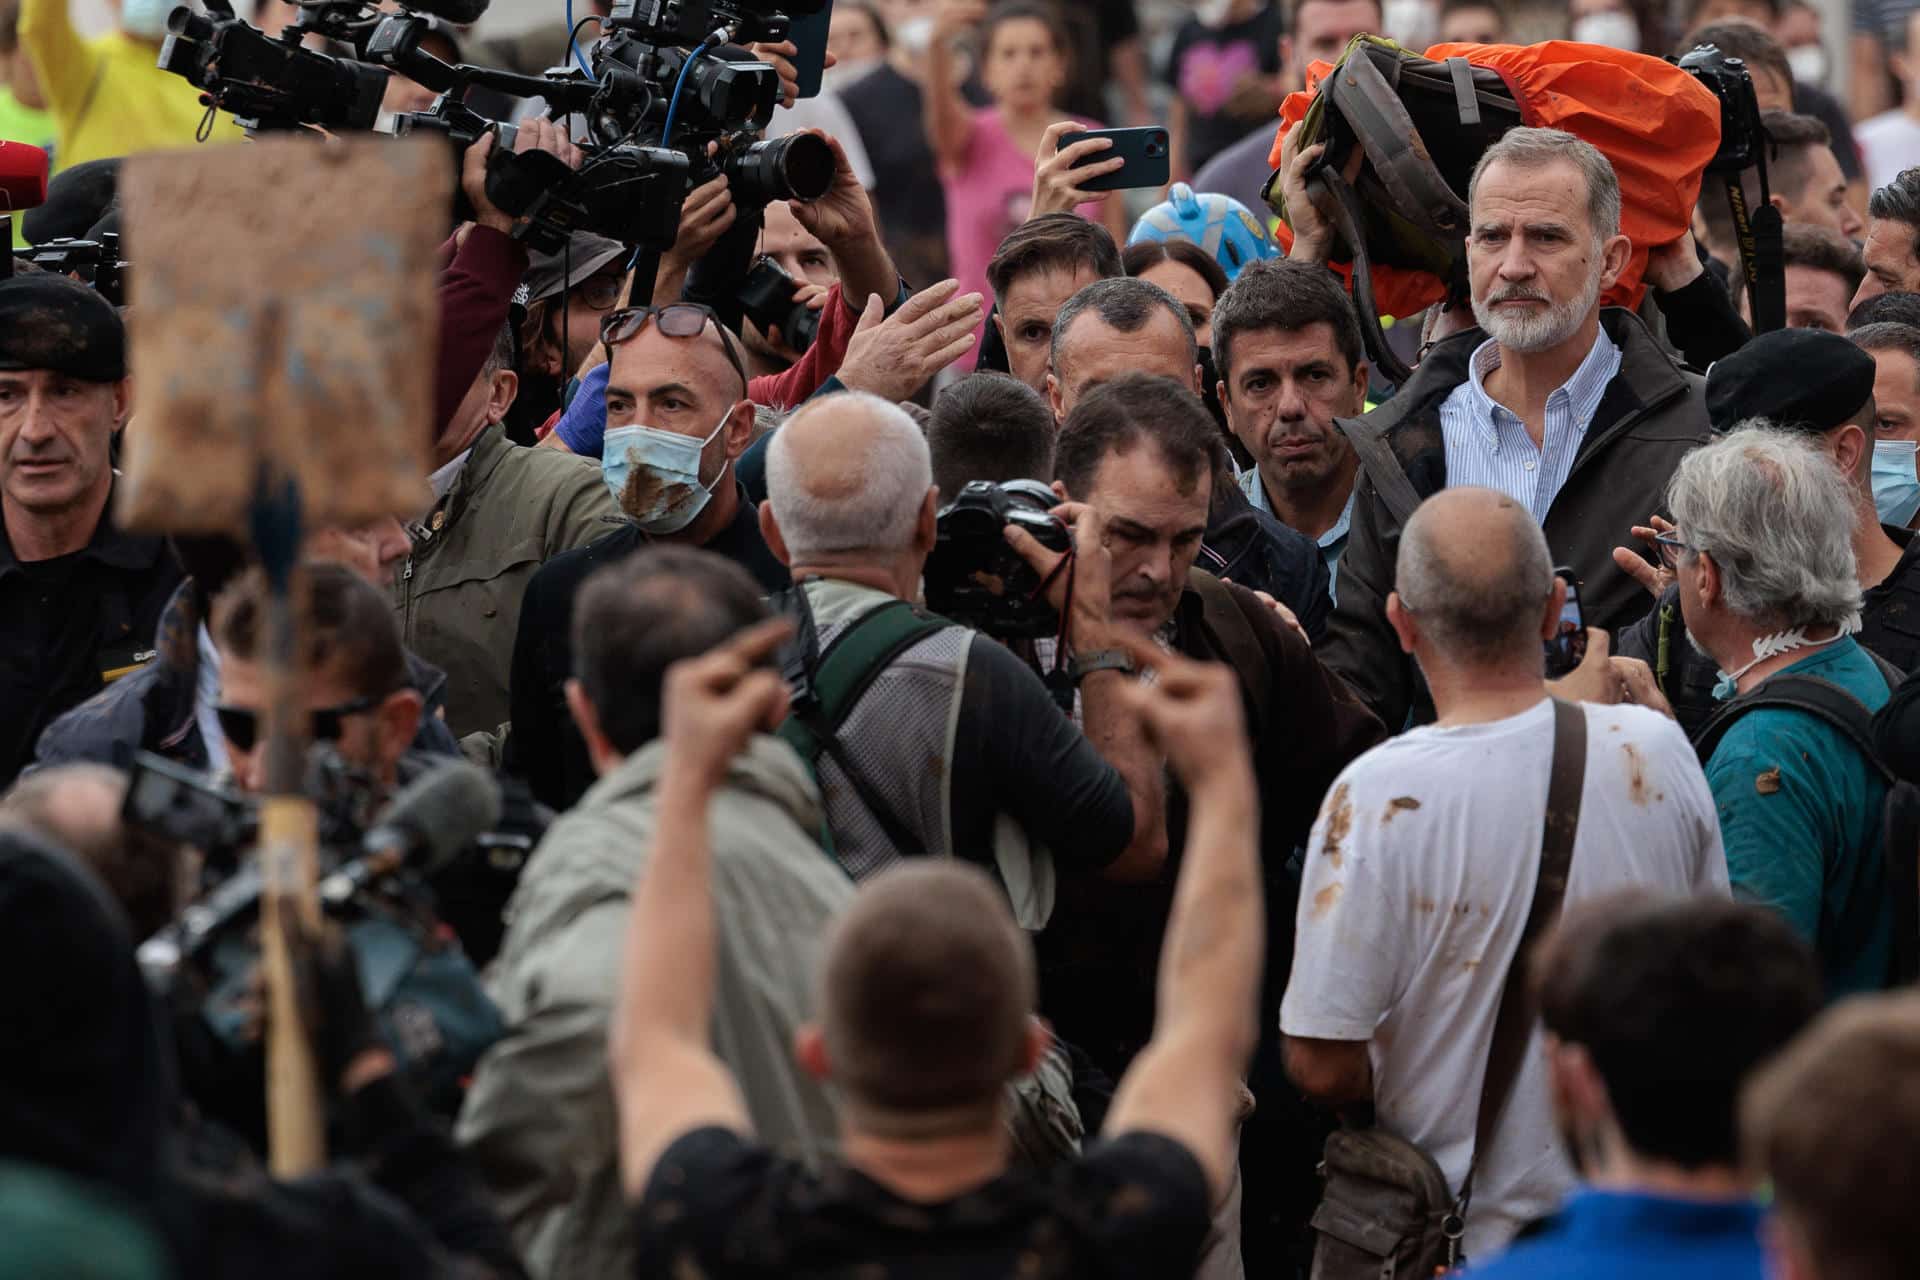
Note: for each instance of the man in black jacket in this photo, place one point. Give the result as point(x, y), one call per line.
point(79, 597)
point(1573, 411)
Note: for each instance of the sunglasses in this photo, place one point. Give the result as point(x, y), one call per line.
point(675, 320)
point(601, 292)
point(242, 727)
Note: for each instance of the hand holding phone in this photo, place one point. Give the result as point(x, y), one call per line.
point(1145, 155)
point(1569, 645)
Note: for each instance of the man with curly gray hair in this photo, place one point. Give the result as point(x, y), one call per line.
point(1764, 558)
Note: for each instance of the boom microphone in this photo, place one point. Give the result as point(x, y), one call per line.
point(426, 826)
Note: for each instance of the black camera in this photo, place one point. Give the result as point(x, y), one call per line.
point(268, 83)
point(975, 578)
point(1743, 138)
point(94, 262)
point(767, 298)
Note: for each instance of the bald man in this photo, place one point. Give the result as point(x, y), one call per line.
point(1420, 872)
point(947, 735)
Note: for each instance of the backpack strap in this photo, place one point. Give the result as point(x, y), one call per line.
point(1513, 1024)
point(863, 649)
point(1810, 695)
point(1386, 132)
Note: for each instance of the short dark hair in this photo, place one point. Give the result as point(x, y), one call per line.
point(505, 352)
point(1888, 335)
point(1773, 8)
point(1644, 982)
point(1123, 304)
point(1116, 415)
point(1899, 201)
point(1748, 41)
point(349, 627)
point(872, 14)
point(1834, 1122)
point(1459, 6)
point(1278, 294)
point(1792, 138)
point(1897, 306)
point(1052, 242)
point(989, 426)
point(1145, 255)
point(1823, 250)
point(1039, 11)
point(641, 614)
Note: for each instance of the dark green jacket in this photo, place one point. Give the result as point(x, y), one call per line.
point(1652, 414)
point(458, 595)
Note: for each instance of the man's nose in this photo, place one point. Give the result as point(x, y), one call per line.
point(36, 423)
point(1291, 404)
point(1516, 262)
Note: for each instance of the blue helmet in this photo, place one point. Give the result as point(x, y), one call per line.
point(1220, 225)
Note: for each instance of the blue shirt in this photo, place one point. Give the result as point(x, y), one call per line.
point(1332, 543)
point(1800, 816)
point(1487, 443)
point(1605, 1235)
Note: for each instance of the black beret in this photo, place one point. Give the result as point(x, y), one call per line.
point(48, 321)
point(1797, 379)
point(76, 199)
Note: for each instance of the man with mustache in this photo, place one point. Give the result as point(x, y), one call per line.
point(1571, 410)
point(1288, 349)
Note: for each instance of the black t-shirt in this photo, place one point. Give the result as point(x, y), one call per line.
point(545, 748)
point(1207, 64)
point(720, 1207)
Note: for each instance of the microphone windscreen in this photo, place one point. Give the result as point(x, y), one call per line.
point(443, 812)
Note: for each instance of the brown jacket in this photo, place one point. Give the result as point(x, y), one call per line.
point(458, 595)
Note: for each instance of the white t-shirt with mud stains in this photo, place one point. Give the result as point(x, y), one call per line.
point(1417, 884)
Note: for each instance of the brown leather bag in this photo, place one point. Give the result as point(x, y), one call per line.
point(1387, 1210)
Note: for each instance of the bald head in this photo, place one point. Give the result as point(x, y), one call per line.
point(927, 992)
point(848, 473)
point(1475, 573)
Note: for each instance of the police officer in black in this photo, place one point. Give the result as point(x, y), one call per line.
point(79, 598)
point(1819, 383)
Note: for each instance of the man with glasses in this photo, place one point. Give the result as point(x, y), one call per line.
point(1821, 386)
point(500, 511)
point(354, 687)
point(678, 419)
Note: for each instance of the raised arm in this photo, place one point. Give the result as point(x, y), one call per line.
point(949, 119)
point(666, 1079)
point(1186, 1083)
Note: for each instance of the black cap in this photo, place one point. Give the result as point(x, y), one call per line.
point(50, 322)
point(77, 198)
point(1797, 379)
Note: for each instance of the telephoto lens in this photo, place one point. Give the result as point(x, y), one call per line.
point(798, 167)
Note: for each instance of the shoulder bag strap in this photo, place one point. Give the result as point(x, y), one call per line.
point(1811, 695)
point(1513, 1026)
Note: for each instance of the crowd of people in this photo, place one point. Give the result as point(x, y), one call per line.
point(1349, 824)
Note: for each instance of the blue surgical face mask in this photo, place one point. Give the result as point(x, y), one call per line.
point(146, 19)
point(1896, 485)
point(670, 462)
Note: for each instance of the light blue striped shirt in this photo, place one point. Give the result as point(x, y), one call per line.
point(1488, 445)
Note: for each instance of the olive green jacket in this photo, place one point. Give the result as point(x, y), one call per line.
point(458, 595)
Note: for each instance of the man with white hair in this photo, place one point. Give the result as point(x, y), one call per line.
point(929, 738)
point(1419, 888)
point(1763, 553)
point(1572, 410)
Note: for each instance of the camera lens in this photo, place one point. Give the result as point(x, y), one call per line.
point(799, 167)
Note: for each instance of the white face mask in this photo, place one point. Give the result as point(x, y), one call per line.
point(915, 34)
point(1412, 24)
point(1614, 29)
point(1212, 12)
point(1808, 63)
point(145, 19)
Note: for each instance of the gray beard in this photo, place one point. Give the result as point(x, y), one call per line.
point(1545, 330)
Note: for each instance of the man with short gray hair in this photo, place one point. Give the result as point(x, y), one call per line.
point(1763, 552)
point(943, 743)
point(1572, 410)
point(1420, 873)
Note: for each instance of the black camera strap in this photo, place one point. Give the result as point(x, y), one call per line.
point(1762, 252)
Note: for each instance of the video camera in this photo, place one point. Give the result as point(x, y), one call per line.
point(94, 262)
point(974, 578)
point(671, 100)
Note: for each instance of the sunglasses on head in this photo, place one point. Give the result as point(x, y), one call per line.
point(675, 320)
point(242, 726)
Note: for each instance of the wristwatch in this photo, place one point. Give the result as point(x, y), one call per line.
point(1085, 664)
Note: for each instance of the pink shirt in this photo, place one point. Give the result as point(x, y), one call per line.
point(989, 195)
